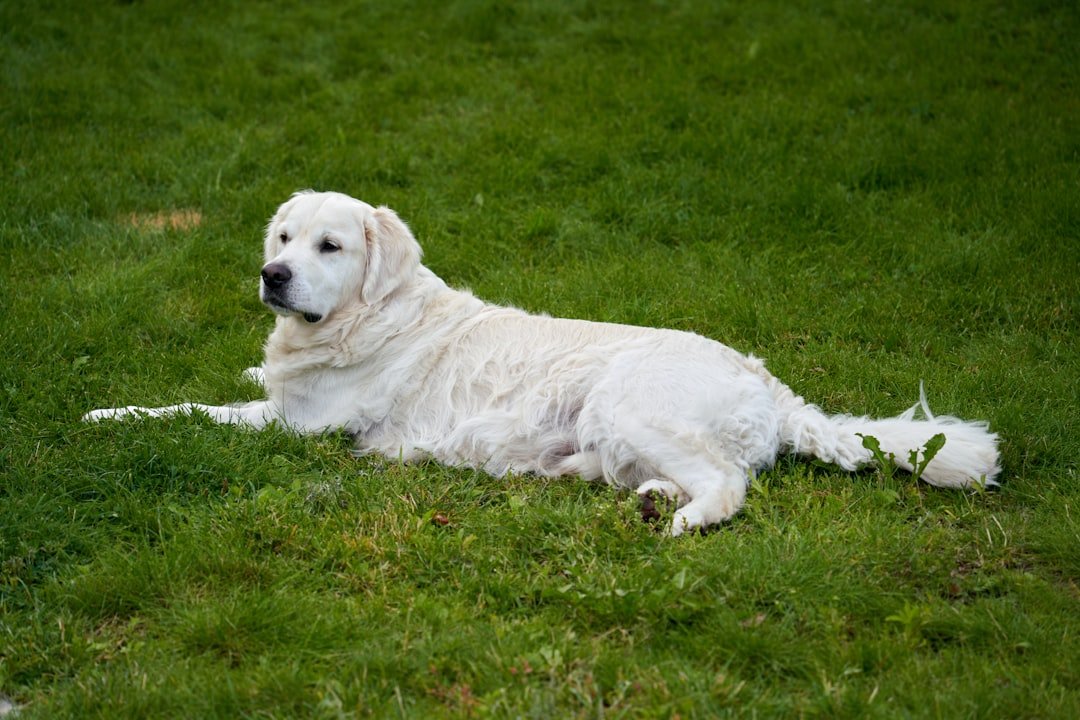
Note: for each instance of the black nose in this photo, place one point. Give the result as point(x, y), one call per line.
point(275, 275)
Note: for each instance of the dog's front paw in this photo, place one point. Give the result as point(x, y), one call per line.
point(113, 413)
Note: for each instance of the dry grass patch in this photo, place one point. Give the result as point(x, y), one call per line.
point(185, 219)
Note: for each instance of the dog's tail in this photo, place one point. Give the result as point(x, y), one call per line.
point(968, 458)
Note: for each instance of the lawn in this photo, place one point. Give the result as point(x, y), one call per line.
point(868, 195)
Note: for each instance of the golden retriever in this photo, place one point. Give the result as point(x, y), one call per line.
point(369, 341)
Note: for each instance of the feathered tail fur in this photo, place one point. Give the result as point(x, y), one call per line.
point(969, 457)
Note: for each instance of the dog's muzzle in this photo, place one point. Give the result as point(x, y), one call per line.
point(276, 277)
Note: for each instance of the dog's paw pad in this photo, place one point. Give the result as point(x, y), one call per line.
point(649, 513)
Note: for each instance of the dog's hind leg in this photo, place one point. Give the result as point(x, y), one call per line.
point(707, 490)
point(717, 492)
point(706, 487)
point(692, 428)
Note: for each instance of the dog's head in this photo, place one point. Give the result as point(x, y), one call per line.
point(324, 251)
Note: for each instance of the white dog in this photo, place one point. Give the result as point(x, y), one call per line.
point(370, 341)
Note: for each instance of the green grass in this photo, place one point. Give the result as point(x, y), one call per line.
point(866, 194)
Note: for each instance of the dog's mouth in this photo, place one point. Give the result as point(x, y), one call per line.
point(282, 308)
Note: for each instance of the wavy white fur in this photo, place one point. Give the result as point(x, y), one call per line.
point(370, 341)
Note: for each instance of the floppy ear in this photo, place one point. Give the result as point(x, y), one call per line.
point(393, 255)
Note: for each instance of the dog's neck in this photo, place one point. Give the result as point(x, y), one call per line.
point(357, 333)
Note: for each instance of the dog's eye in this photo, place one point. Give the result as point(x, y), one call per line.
point(284, 237)
point(328, 247)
